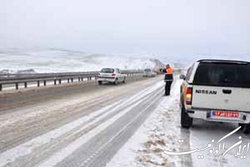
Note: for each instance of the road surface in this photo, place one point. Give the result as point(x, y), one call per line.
point(81, 125)
point(91, 125)
point(159, 140)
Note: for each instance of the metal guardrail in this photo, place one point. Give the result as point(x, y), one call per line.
point(16, 79)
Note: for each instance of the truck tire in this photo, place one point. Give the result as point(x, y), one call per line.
point(99, 82)
point(245, 128)
point(116, 81)
point(186, 121)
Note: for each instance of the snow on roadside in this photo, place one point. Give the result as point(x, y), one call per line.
point(56, 60)
point(162, 132)
point(158, 133)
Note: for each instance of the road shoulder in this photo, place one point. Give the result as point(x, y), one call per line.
point(160, 132)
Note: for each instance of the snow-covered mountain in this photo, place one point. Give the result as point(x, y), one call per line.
point(55, 60)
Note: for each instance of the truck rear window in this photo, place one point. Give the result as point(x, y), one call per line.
point(107, 70)
point(147, 70)
point(223, 74)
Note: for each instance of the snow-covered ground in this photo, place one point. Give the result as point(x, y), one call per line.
point(161, 133)
point(54, 60)
point(93, 118)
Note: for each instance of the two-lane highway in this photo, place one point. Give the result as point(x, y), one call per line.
point(81, 129)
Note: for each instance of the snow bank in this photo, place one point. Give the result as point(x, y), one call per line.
point(53, 60)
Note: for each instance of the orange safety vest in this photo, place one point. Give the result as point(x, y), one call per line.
point(169, 70)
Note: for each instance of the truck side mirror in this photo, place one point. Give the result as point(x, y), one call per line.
point(182, 77)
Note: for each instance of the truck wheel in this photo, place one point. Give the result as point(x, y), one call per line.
point(186, 121)
point(99, 82)
point(245, 128)
point(116, 82)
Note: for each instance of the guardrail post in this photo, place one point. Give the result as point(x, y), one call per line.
point(1, 87)
point(38, 83)
point(44, 83)
point(16, 86)
point(60, 81)
point(79, 79)
point(55, 82)
point(72, 79)
point(68, 80)
point(25, 84)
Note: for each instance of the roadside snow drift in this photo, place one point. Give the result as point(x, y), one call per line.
point(54, 60)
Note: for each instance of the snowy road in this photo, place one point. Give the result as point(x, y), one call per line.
point(129, 125)
point(161, 133)
point(75, 127)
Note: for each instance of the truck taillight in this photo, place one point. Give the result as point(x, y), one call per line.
point(189, 95)
point(113, 74)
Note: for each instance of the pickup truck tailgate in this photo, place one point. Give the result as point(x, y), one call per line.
point(224, 98)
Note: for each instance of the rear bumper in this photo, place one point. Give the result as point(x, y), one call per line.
point(106, 79)
point(149, 75)
point(244, 117)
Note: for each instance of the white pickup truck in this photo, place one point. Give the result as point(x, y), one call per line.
point(216, 90)
point(112, 75)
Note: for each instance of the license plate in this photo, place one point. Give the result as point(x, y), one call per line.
point(225, 114)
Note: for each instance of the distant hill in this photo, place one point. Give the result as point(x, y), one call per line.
point(58, 60)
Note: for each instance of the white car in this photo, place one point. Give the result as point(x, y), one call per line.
point(112, 75)
point(216, 90)
point(148, 73)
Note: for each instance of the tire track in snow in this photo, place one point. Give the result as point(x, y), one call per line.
point(25, 149)
point(86, 163)
point(65, 152)
point(59, 112)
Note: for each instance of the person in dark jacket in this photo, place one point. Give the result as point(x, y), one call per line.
point(168, 79)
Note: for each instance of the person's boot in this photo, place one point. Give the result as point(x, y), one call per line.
point(166, 93)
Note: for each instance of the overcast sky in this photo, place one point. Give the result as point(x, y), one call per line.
point(171, 28)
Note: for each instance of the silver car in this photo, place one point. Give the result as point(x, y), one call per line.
point(149, 73)
point(111, 75)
